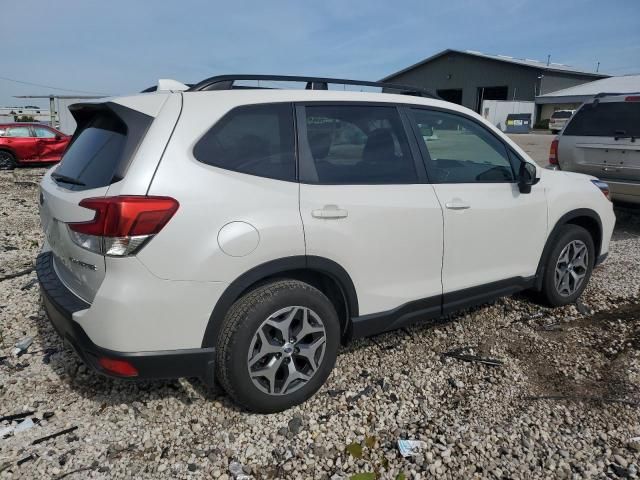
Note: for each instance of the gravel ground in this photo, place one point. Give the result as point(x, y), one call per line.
point(536, 145)
point(562, 403)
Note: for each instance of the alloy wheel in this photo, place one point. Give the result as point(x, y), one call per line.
point(571, 268)
point(287, 350)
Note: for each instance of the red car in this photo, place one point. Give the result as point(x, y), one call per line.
point(30, 143)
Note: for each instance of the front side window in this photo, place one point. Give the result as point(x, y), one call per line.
point(460, 150)
point(358, 144)
point(254, 139)
point(606, 119)
point(42, 132)
point(19, 132)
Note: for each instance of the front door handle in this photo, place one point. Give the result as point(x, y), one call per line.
point(457, 204)
point(329, 211)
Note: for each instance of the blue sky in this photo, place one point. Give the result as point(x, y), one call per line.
point(118, 46)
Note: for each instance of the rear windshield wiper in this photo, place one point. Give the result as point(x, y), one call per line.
point(66, 179)
point(618, 134)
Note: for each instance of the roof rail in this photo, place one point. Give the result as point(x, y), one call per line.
point(226, 82)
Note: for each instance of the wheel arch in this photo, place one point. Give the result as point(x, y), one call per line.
point(326, 275)
point(4, 148)
point(583, 217)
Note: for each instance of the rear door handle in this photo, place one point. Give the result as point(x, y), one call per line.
point(457, 204)
point(329, 211)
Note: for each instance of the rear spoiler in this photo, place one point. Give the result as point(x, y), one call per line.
point(167, 84)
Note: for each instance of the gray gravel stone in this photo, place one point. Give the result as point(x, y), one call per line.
point(490, 421)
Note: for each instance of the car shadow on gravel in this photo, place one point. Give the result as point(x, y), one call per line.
point(586, 358)
point(627, 222)
point(106, 391)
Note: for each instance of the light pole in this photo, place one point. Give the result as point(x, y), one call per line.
point(540, 77)
point(52, 111)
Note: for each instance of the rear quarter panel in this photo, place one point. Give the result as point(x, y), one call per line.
point(210, 198)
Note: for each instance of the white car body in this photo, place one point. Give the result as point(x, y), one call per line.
point(398, 244)
point(559, 119)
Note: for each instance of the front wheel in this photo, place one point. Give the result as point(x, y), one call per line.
point(568, 266)
point(277, 346)
point(7, 160)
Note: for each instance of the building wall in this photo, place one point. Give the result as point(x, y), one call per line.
point(554, 81)
point(496, 111)
point(468, 72)
point(547, 110)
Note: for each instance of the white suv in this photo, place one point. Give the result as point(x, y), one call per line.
point(243, 234)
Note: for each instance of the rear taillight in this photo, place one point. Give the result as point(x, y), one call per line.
point(553, 152)
point(632, 98)
point(121, 368)
point(122, 224)
point(604, 188)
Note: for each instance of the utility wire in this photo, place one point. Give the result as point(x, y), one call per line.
point(52, 88)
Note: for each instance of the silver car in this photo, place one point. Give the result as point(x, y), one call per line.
point(603, 139)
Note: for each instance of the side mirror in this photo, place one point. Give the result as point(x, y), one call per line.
point(58, 137)
point(527, 177)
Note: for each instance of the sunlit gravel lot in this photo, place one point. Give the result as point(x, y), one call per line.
point(563, 401)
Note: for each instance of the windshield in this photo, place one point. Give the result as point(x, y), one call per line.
point(562, 114)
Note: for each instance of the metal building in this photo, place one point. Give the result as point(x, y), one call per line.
point(468, 77)
point(571, 98)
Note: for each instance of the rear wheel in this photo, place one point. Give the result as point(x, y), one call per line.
point(277, 346)
point(7, 160)
point(568, 266)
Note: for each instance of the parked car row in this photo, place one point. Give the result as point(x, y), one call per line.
point(30, 143)
point(603, 139)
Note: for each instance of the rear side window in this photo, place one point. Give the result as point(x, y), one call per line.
point(606, 119)
point(93, 156)
point(357, 144)
point(42, 132)
point(254, 139)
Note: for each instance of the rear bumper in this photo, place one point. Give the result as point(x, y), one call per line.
point(622, 191)
point(60, 305)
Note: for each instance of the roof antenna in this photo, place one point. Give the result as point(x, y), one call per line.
point(598, 67)
point(548, 59)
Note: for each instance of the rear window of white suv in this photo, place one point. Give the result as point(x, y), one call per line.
point(606, 119)
point(102, 146)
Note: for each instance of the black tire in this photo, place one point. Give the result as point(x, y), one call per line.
point(240, 326)
point(7, 160)
point(550, 292)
